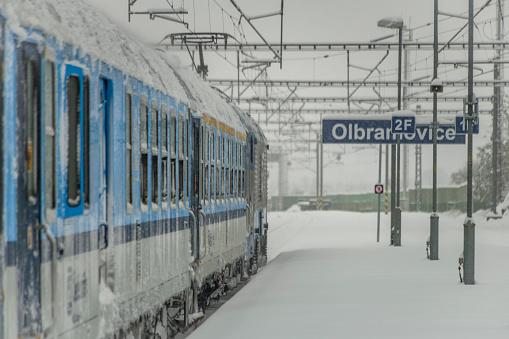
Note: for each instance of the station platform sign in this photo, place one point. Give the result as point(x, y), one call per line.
point(461, 125)
point(378, 129)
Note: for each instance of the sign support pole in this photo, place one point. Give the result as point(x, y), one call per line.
point(379, 181)
point(469, 225)
point(397, 210)
point(393, 192)
point(433, 245)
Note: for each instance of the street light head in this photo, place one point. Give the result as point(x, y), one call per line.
point(396, 23)
point(436, 86)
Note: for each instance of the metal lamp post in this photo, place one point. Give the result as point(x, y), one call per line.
point(471, 114)
point(395, 23)
point(436, 87)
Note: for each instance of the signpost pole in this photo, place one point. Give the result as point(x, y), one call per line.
point(393, 192)
point(469, 225)
point(386, 178)
point(433, 245)
point(379, 182)
point(397, 210)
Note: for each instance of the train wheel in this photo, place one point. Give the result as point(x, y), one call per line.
point(264, 255)
point(254, 259)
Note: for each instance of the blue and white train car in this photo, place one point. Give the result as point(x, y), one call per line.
point(131, 193)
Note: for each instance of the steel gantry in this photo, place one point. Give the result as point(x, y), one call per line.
point(344, 83)
point(338, 46)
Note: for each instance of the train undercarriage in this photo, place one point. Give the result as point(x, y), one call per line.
point(185, 312)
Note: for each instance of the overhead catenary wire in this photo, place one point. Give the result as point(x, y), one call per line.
point(418, 65)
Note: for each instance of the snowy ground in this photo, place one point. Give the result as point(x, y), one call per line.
point(329, 278)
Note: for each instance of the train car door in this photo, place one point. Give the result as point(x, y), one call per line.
point(195, 184)
point(29, 188)
point(104, 108)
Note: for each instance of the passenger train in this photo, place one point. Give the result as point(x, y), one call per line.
point(132, 193)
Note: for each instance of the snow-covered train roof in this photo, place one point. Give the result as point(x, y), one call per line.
point(83, 27)
point(250, 125)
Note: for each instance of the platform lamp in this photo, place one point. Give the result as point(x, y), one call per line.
point(395, 23)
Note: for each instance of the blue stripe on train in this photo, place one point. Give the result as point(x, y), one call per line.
point(79, 243)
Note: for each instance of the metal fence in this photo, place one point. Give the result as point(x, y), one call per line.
point(449, 199)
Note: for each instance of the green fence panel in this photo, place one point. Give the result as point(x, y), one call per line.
point(449, 198)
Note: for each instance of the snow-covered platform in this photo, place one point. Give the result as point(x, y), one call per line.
point(329, 278)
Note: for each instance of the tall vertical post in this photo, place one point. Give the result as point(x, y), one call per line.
point(281, 181)
point(393, 192)
point(317, 168)
point(379, 181)
point(281, 39)
point(321, 172)
point(238, 78)
point(418, 177)
point(496, 113)
point(397, 210)
point(405, 106)
point(418, 170)
point(469, 225)
point(348, 78)
point(321, 164)
point(433, 230)
point(387, 179)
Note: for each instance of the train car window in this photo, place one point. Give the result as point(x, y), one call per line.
point(202, 163)
point(224, 175)
point(155, 154)
point(239, 169)
point(239, 155)
point(228, 168)
point(144, 151)
point(181, 133)
point(221, 169)
point(212, 165)
point(207, 163)
point(237, 176)
point(73, 158)
point(252, 151)
point(173, 155)
point(32, 130)
point(164, 156)
point(173, 133)
point(206, 179)
point(218, 167)
point(223, 164)
point(225, 167)
point(86, 142)
point(237, 162)
point(50, 154)
point(187, 140)
point(243, 179)
point(129, 150)
point(233, 169)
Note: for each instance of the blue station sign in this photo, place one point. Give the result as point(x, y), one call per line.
point(355, 129)
point(461, 126)
point(403, 124)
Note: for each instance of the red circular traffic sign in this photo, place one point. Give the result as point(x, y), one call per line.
point(379, 189)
